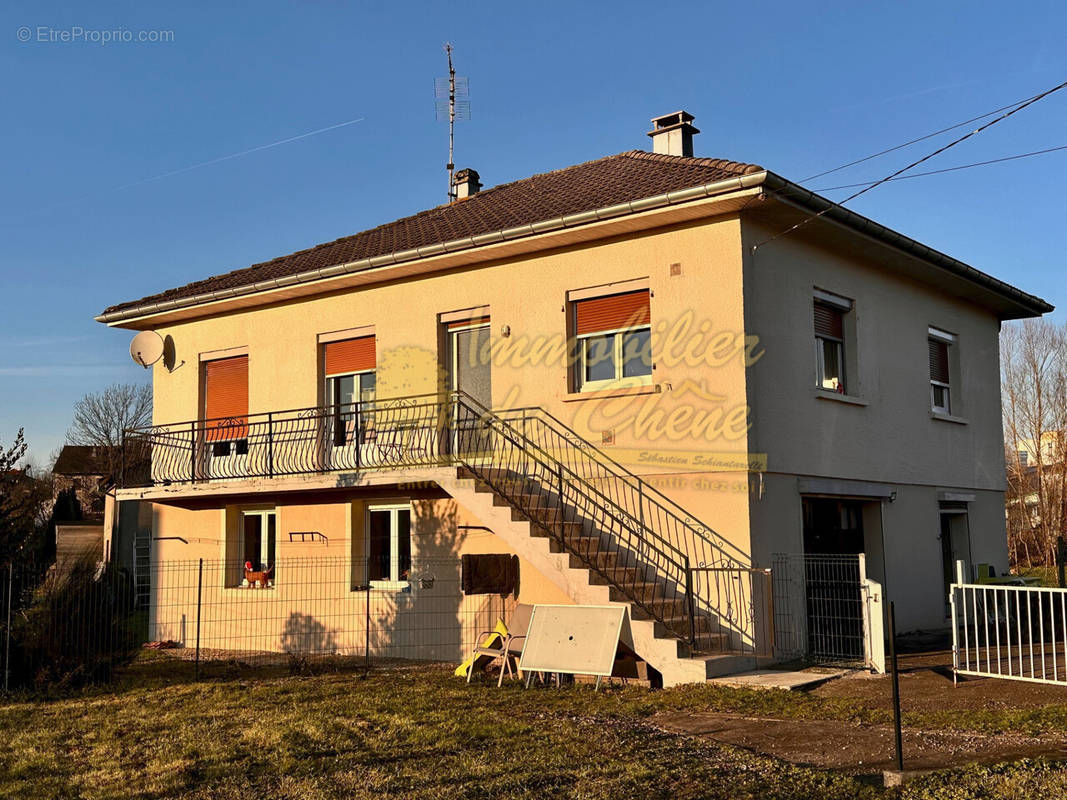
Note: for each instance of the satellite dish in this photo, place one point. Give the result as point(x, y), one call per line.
point(146, 348)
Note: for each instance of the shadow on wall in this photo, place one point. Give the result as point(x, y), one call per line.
point(431, 619)
point(303, 635)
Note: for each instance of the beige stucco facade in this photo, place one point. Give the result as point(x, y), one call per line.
point(728, 426)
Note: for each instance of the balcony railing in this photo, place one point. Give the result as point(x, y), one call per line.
point(368, 435)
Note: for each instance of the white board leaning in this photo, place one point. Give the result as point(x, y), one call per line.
point(578, 640)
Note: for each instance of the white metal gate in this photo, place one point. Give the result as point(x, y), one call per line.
point(827, 611)
point(1013, 632)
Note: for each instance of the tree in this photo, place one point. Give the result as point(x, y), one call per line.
point(101, 418)
point(1034, 396)
point(23, 499)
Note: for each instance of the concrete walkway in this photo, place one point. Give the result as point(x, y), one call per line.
point(790, 680)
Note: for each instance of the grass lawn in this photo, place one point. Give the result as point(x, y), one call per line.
point(421, 733)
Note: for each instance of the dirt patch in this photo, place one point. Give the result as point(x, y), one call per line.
point(858, 749)
point(926, 685)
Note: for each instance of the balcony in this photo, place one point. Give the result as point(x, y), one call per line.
point(370, 435)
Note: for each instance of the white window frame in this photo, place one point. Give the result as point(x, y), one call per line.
point(844, 306)
point(328, 400)
point(326, 383)
point(394, 583)
point(820, 364)
point(949, 340)
point(262, 513)
point(617, 354)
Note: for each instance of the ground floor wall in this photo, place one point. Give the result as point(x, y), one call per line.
point(901, 535)
point(318, 599)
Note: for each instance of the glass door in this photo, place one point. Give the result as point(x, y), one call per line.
point(470, 372)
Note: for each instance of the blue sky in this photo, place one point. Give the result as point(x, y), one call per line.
point(794, 87)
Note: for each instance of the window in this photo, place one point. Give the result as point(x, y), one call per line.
point(939, 344)
point(259, 542)
point(829, 316)
point(613, 341)
point(226, 405)
point(1024, 457)
point(350, 381)
point(388, 545)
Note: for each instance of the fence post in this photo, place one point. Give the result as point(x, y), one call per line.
point(7, 629)
point(1061, 557)
point(366, 633)
point(199, 598)
point(896, 688)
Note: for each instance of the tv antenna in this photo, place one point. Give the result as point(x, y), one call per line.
point(452, 102)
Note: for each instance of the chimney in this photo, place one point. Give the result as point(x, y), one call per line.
point(465, 184)
point(672, 134)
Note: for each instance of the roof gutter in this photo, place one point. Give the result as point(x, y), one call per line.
point(415, 254)
point(809, 202)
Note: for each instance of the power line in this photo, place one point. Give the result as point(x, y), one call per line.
point(948, 169)
point(238, 155)
point(199, 165)
point(917, 140)
point(915, 163)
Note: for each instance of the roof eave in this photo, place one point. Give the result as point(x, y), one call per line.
point(665, 200)
point(806, 200)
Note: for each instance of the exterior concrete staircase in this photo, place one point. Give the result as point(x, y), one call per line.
point(591, 570)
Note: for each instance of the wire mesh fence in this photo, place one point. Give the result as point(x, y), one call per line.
point(79, 626)
point(323, 607)
point(819, 607)
point(65, 624)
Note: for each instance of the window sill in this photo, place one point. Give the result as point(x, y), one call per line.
point(385, 587)
point(948, 418)
point(848, 399)
point(622, 391)
point(246, 589)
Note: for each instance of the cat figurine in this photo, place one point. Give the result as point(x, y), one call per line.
point(260, 577)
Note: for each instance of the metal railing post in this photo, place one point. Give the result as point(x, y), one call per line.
point(199, 603)
point(689, 603)
point(192, 451)
point(270, 444)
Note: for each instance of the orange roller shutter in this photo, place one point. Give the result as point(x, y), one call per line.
point(226, 398)
point(350, 355)
point(467, 323)
point(609, 313)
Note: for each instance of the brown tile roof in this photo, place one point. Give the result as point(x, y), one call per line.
point(77, 459)
point(621, 178)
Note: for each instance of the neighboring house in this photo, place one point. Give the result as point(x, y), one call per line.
point(80, 479)
point(84, 471)
point(830, 391)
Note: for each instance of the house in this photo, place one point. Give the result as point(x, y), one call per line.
point(681, 397)
point(84, 471)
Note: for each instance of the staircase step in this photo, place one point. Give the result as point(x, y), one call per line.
point(606, 559)
point(670, 610)
point(641, 591)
